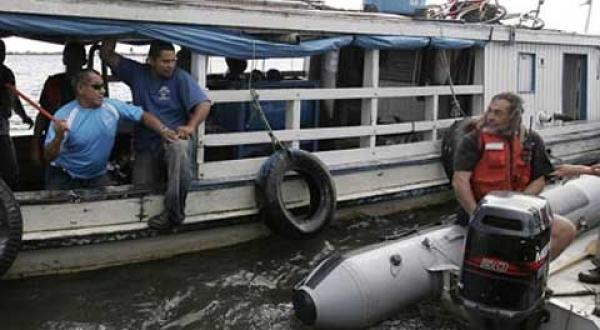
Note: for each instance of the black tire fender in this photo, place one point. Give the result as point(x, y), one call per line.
point(269, 194)
point(450, 141)
point(11, 227)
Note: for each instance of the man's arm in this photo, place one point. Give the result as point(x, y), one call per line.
point(53, 148)
point(156, 125)
point(199, 114)
point(461, 182)
point(536, 186)
point(108, 54)
point(566, 170)
point(20, 111)
point(40, 125)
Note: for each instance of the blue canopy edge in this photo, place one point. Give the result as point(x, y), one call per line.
point(405, 42)
point(202, 39)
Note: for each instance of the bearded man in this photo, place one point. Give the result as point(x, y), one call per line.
point(501, 155)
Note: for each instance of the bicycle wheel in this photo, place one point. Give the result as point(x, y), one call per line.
point(434, 12)
point(531, 21)
point(491, 14)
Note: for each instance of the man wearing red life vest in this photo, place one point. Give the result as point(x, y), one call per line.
point(501, 155)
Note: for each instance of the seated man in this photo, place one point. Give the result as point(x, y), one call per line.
point(175, 97)
point(78, 144)
point(500, 155)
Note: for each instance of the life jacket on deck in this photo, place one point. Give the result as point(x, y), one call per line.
point(501, 166)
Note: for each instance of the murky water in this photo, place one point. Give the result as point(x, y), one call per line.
point(242, 287)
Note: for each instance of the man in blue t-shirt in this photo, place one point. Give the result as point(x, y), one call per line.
point(176, 99)
point(79, 142)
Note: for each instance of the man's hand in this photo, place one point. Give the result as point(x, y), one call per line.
point(27, 120)
point(60, 126)
point(52, 149)
point(108, 45)
point(169, 135)
point(107, 53)
point(595, 169)
point(185, 132)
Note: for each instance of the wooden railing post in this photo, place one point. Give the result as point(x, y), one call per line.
point(292, 119)
point(370, 106)
point(432, 104)
point(198, 71)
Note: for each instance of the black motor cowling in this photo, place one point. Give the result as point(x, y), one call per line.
point(506, 260)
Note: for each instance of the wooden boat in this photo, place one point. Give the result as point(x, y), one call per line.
point(384, 101)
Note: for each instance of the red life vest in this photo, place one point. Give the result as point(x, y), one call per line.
point(501, 166)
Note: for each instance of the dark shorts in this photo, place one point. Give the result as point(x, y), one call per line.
point(9, 168)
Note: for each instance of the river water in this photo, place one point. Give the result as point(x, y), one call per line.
point(247, 286)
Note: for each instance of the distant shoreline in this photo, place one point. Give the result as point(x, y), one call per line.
point(59, 53)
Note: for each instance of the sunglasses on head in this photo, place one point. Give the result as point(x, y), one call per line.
point(97, 86)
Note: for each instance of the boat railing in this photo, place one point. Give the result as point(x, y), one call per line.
point(367, 132)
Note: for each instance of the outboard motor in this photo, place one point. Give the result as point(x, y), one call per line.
point(506, 261)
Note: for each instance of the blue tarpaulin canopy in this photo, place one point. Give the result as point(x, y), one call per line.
point(202, 39)
point(404, 42)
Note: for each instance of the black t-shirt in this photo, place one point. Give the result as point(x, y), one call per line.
point(468, 153)
point(6, 97)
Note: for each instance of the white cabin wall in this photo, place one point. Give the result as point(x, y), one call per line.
point(501, 75)
point(500, 69)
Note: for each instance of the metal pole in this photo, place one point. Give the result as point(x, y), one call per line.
point(589, 14)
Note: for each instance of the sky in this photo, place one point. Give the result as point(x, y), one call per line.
point(567, 15)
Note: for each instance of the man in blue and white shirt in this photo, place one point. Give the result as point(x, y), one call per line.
point(80, 141)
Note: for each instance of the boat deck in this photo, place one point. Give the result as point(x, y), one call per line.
point(574, 302)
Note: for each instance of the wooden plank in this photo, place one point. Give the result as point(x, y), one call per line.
point(341, 93)
point(387, 181)
point(547, 132)
point(89, 257)
point(287, 135)
point(309, 134)
point(233, 168)
point(80, 215)
point(361, 156)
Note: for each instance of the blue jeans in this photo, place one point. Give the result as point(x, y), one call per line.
point(173, 159)
point(58, 179)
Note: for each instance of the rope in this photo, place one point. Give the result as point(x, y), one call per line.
point(451, 84)
point(255, 105)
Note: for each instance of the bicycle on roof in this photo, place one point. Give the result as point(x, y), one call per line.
point(529, 20)
point(470, 11)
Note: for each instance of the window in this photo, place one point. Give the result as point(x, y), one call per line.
point(526, 73)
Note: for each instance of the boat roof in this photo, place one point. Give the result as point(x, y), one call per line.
point(284, 16)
